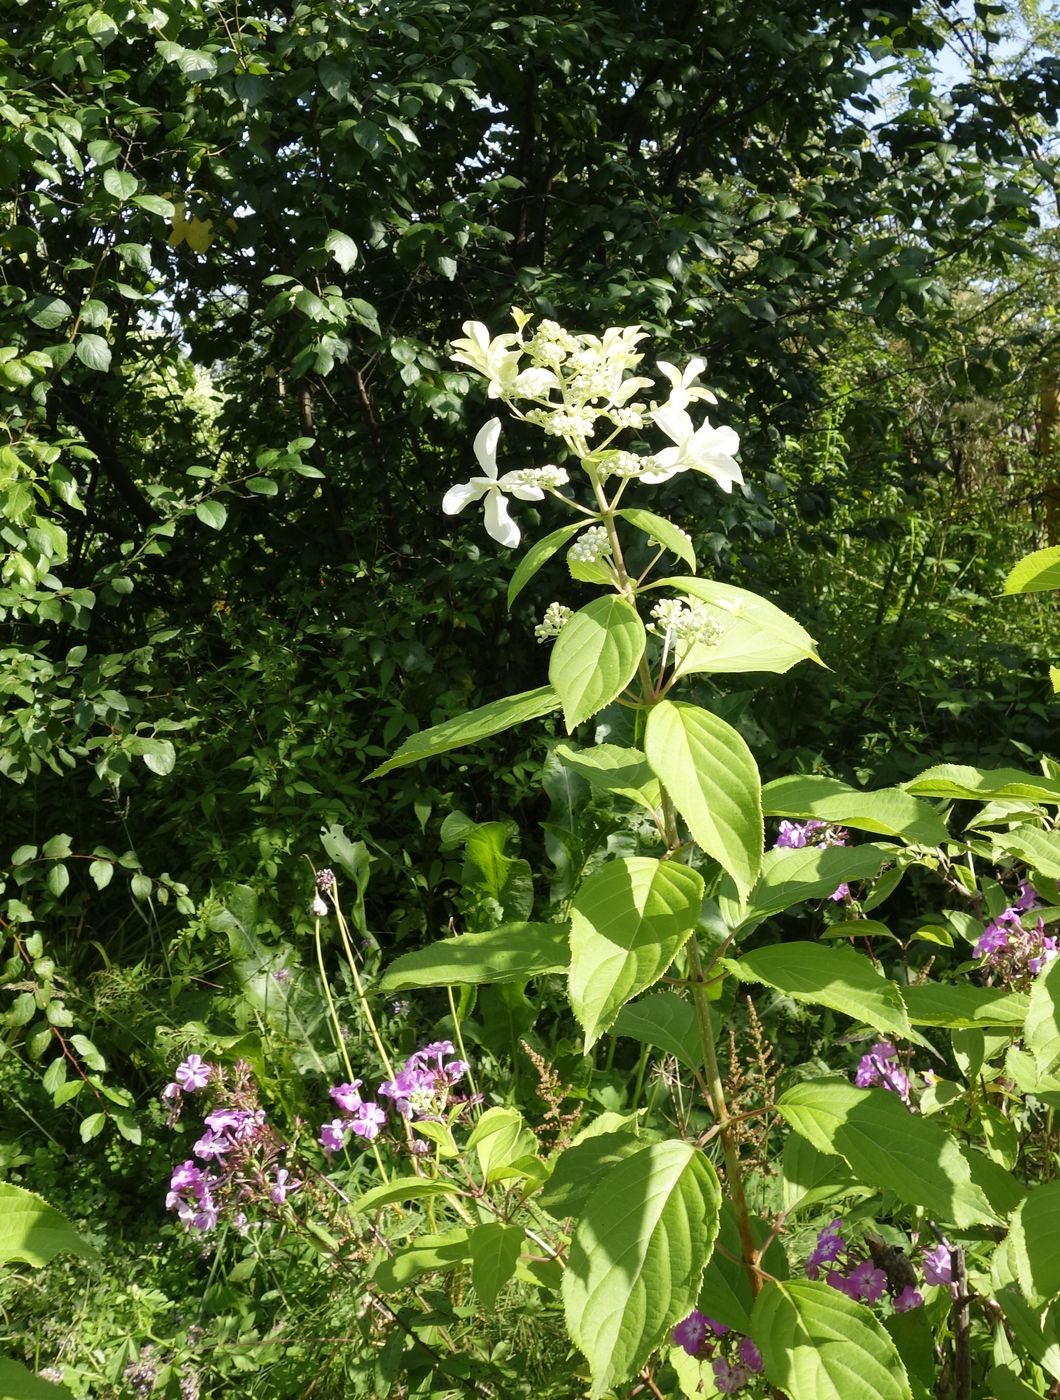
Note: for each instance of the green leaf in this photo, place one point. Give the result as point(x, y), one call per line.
point(57, 879)
point(817, 1344)
point(500, 1137)
point(663, 530)
point(342, 248)
point(629, 919)
point(579, 1168)
point(120, 183)
point(1035, 573)
point(101, 872)
point(838, 978)
point(33, 1232)
point(93, 352)
point(956, 1007)
point(595, 657)
point(637, 1257)
point(616, 771)
point(155, 204)
point(712, 777)
point(666, 1021)
point(1036, 1242)
point(512, 953)
point(537, 556)
point(472, 727)
point(92, 1126)
point(211, 513)
point(888, 1147)
point(48, 312)
point(725, 1293)
point(16, 1383)
point(1041, 1032)
point(757, 636)
point(984, 784)
point(159, 755)
point(814, 872)
point(886, 812)
point(429, 1254)
point(495, 1251)
point(1040, 849)
point(403, 1188)
point(57, 847)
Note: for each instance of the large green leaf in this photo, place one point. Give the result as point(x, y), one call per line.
point(888, 1147)
point(757, 636)
point(402, 1189)
point(614, 770)
point(472, 728)
point(662, 530)
point(666, 1021)
point(500, 1137)
point(838, 978)
point(1040, 849)
point(578, 1169)
point(791, 876)
point(595, 657)
point(1035, 573)
point(16, 1383)
point(510, 953)
point(495, 1250)
point(712, 777)
point(637, 1257)
point(725, 1293)
point(887, 812)
point(817, 1344)
point(983, 784)
point(1041, 1032)
point(1036, 1242)
point(956, 1007)
point(33, 1231)
point(427, 1254)
point(629, 919)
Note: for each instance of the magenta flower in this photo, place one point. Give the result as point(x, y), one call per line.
point(908, 1299)
point(728, 1378)
point(938, 1265)
point(750, 1355)
point(333, 1135)
point(193, 1074)
point(346, 1095)
point(690, 1334)
point(368, 1121)
point(828, 1248)
point(880, 1067)
point(283, 1187)
point(211, 1146)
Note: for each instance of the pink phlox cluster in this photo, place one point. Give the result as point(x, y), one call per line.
point(880, 1067)
point(938, 1265)
point(1012, 951)
point(856, 1275)
point(697, 1335)
point(191, 1196)
point(420, 1089)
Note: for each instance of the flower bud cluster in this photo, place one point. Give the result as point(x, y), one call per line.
point(548, 478)
point(557, 615)
point(237, 1154)
point(627, 465)
point(737, 1359)
point(551, 344)
point(591, 546)
point(577, 423)
point(422, 1089)
point(685, 620)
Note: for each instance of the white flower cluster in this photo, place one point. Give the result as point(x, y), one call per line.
point(577, 423)
point(551, 344)
point(548, 478)
point(685, 620)
point(623, 464)
point(591, 546)
point(553, 622)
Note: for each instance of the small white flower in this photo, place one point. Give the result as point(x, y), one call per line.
point(591, 546)
point(499, 524)
point(683, 388)
point(704, 449)
point(557, 615)
point(495, 359)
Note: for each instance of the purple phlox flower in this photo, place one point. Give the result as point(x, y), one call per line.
point(283, 1187)
point(718, 1328)
point(866, 1282)
point(908, 1299)
point(212, 1146)
point(996, 935)
point(193, 1074)
point(1029, 898)
point(346, 1095)
point(750, 1355)
point(1047, 954)
point(729, 1377)
point(690, 1334)
point(171, 1094)
point(938, 1265)
point(880, 1067)
point(436, 1050)
point(796, 835)
point(190, 1196)
point(369, 1120)
point(828, 1248)
point(842, 892)
point(333, 1135)
point(188, 1176)
point(411, 1089)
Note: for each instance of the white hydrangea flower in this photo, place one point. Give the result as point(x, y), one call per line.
point(499, 524)
point(557, 615)
point(683, 388)
point(704, 449)
point(495, 359)
point(591, 545)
